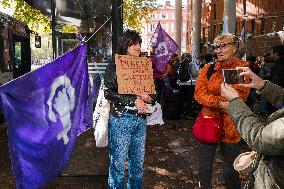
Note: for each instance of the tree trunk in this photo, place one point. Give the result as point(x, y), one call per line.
point(196, 24)
point(230, 12)
point(187, 25)
point(178, 23)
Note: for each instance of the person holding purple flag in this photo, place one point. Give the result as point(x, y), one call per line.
point(127, 122)
point(44, 111)
point(164, 46)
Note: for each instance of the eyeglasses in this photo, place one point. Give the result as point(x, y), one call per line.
point(220, 47)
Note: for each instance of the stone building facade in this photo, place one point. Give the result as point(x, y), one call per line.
point(165, 14)
point(262, 20)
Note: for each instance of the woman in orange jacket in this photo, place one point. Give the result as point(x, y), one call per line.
point(208, 94)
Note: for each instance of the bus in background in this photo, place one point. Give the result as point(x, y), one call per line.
point(15, 50)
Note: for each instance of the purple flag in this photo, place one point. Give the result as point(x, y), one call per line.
point(243, 35)
point(44, 111)
point(93, 91)
point(164, 47)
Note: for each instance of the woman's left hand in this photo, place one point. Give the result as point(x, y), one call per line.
point(145, 97)
point(141, 106)
point(228, 91)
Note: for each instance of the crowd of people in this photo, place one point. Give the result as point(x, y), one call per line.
point(181, 75)
point(206, 91)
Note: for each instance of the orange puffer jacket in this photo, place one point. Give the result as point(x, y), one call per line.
point(208, 94)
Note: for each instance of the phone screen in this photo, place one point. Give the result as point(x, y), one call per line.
point(232, 76)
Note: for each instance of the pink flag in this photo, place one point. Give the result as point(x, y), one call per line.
point(164, 47)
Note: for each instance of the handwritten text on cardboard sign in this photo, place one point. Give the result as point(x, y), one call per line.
point(134, 75)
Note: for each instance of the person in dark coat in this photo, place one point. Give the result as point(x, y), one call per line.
point(277, 70)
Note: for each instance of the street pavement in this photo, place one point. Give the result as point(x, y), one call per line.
point(170, 161)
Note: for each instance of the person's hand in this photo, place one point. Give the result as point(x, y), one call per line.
point(223, 106)
point(141, 106)
point(228, 91)
point(145, 97)
point(256, 82)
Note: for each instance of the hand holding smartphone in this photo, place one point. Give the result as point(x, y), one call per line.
point(232, 76)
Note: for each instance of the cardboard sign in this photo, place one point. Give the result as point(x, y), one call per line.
point(134, 75)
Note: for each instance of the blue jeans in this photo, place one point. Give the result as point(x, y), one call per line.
point(262, 105)
point(127, 135)
point(206, 154)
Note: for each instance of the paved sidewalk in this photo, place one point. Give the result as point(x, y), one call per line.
point(170, 161)
point(183, 145)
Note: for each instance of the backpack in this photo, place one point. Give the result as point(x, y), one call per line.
point(184, 73)
point(210, 70)
point(187, 71)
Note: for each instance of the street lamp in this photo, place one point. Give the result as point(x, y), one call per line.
point(37, 41)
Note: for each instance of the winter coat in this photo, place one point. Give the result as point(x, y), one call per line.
point(267, 140)
point(277, 72)
point(265, 70)
point(208, 94)
point(118, 101)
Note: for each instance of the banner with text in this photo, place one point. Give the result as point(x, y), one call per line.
point(134, 75)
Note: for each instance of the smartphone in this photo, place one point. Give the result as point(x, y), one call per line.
point(232, 76)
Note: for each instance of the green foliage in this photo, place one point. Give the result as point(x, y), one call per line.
point(135, 11)
point(27, 14)
point(33, 18)
point(70, 29)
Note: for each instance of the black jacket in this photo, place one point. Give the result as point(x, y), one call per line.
point(277, 72)
point(117, 101)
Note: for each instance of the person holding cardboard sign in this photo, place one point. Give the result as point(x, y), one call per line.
point(127, 122)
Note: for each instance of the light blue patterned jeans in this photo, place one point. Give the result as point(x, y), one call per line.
point(127, 134)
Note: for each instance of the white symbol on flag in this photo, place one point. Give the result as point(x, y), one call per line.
point(162, 49)
point(63, 94)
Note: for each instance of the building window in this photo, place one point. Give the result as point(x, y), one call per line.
point(203, 34)
point(172, 27)
point(215, 15)
point(282, 23)
point(163, 16)
point(262, 26)
point(214, 31)
point(221, 28)
point(273, 21)
point(245, 6)
point(252, 26)
point(152, 28)
point(208, 33)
